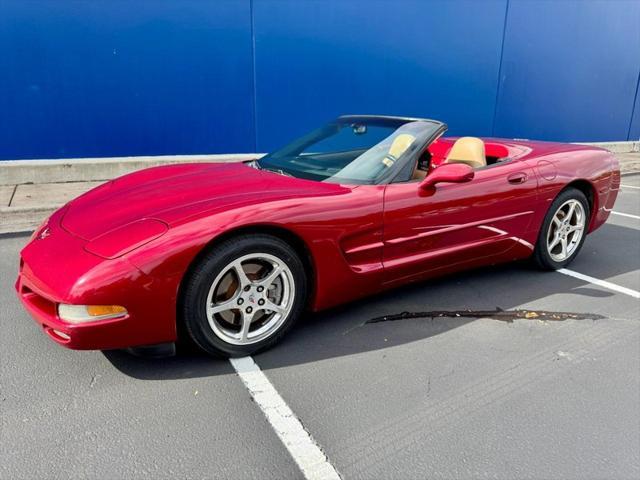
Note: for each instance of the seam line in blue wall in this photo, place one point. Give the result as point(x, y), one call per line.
point(633, 109)
point(253, 69)
point(495, 103)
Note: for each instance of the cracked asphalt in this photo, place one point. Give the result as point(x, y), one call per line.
point(441, 397)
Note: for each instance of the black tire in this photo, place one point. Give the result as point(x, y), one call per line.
point(541, 256)
point(200, 279)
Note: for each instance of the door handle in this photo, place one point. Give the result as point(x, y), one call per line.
point(519, 177)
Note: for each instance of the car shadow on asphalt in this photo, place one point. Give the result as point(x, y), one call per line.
point(344, 330)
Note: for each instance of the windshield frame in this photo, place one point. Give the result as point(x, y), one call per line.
point(395, 173)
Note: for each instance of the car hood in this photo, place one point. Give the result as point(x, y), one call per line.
point(174, 193)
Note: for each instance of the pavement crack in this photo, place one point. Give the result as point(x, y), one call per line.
point(498, 314)
point(94, 379)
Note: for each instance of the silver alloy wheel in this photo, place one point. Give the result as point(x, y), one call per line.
point(566, 230)
point(250, 299)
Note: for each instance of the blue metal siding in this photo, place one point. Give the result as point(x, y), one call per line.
point(147, 77)
point(634, 128)
point(416, 58)
point(569, 70)
point(115, 77)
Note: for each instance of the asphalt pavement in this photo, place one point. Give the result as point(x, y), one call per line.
point(415, 398)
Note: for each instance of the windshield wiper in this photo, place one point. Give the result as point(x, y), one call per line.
point(276, 170)
point(253, 164)
point(258, 166)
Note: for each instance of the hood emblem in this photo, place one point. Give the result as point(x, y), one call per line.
point(44, 234)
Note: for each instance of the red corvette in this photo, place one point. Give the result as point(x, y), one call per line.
point(233, 254)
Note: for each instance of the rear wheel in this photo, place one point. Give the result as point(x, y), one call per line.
point(244, 295)
point(563, 231)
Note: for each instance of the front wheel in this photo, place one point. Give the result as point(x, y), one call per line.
point(244, 295)
point(563, 231)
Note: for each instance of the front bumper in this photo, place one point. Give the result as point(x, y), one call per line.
point(101, 335)
point(57, 269)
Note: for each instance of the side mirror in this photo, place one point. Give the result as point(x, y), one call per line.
point(449, 172)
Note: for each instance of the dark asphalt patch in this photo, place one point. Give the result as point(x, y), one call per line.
point(498, 314)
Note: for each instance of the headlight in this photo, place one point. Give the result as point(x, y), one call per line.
point(89, 313)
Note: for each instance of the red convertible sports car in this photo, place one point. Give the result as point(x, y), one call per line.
point(232, 254)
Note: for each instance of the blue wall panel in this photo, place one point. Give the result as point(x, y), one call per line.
point(634, 128)
point(316, 60)
point(569, 70)
point(136, 77)
point(116, 77)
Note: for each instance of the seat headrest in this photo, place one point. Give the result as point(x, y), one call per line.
point(469, 150)
point(399, 145)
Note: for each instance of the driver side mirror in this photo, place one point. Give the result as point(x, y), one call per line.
point(448, 172)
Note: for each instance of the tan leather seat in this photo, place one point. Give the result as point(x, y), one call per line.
point(399, 145)
point(419, 174)
point(469, 150)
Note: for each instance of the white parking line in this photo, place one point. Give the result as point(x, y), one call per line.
point(630, 186)
point(601, 283)
point(626, 215)
point(299, 443)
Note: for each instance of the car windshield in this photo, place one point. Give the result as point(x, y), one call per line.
point(356, 150)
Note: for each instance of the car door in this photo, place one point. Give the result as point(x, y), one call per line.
point(454, 224)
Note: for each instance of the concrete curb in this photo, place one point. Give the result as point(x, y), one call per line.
point(22, 172)
point(19, 172)
point(25, 219)
point(616, 147)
